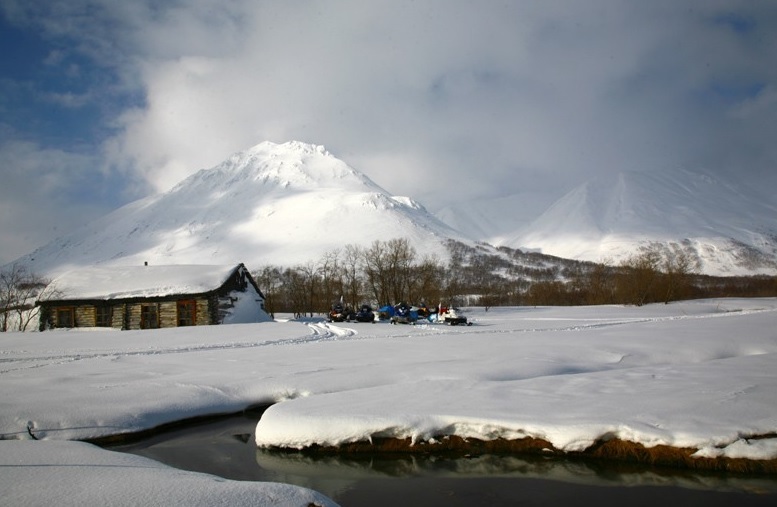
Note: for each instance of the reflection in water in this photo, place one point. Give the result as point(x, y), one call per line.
point(588, 473)
point(225, 447)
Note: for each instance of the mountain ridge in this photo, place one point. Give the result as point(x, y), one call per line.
point(725, 229)
point(289, 204)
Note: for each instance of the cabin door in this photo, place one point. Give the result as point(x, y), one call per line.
point(149, 316)
point(187, 313)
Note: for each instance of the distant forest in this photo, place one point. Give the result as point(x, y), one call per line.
point(389, 272)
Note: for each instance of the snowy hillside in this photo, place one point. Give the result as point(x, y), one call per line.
point(728, 229)
point(280, 204)
point(495, 220)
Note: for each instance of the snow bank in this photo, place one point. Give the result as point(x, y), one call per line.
point(701, 379)
point(76, 473)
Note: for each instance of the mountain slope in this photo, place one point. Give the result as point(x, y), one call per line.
point(495, 220)
point(280, 204)
point(727, 229)
point(289, 204)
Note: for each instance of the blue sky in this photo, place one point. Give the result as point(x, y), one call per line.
point(104, 102)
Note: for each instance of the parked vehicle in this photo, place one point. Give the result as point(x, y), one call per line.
point(339, 313)
point(404, 314)
point(385, 312)
point(364, 314)
point(424, 312)
point(452, 317)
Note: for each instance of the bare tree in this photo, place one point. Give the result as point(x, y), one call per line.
point(401, 258)
point(8, 299)
point(312, 287)
point(639, 276)
point(600, 289)
point(546, 293)
point(426, 281)
point(353, 259)
point(296, 293)
point(678, 266)
point(390, 270)
point(330, 277)
point(270, 281)
point(18, 290)
point(376, 271)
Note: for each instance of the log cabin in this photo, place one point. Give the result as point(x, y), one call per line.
point(151, 297)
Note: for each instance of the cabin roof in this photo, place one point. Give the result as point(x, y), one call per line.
point(123, 282)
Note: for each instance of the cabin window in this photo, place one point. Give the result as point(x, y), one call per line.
point(103, 316)
point(187, 313)
point(66, 317)
point(149, 316)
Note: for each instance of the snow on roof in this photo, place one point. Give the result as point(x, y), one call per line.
point(120, 282)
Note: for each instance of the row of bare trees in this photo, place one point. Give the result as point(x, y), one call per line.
point(388, 272)
point(19, 288)
point(656, 274)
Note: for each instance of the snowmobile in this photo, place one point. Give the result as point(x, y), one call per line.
point(385, 312)
point(339, 313)
point(365, 314)
point(403, 314)
point(452, 317)
point(423, 311)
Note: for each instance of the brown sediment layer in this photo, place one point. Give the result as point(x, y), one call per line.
point(612, 450)
point(455, 446)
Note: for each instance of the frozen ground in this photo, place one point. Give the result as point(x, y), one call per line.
point(699, 374)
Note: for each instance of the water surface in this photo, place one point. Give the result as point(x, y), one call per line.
point(225, 447)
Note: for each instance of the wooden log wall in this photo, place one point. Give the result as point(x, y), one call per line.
point(168, 314)
point(133, 316)
point(128, 315)
point(203, 314)
point(117, 318)
point(85, 316)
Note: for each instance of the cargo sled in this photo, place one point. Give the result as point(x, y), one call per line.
point(452, 317)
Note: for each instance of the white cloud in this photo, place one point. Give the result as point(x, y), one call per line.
point(45, 193)
point(448, 97)
point(559, 88)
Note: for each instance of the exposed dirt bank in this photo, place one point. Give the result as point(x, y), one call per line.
point(615, 450)
point(454, 446)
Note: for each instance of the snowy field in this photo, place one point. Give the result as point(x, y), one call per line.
point(699, 374)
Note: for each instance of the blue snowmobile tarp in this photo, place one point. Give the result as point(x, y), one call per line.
point(387, 310)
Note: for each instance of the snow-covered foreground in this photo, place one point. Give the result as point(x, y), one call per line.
point(699, 374)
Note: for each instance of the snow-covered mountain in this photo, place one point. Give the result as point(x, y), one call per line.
point(289, 204)
point(729, 229)
point(273, 204)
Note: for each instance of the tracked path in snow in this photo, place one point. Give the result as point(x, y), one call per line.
point(319, 332)
point(429, 329)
